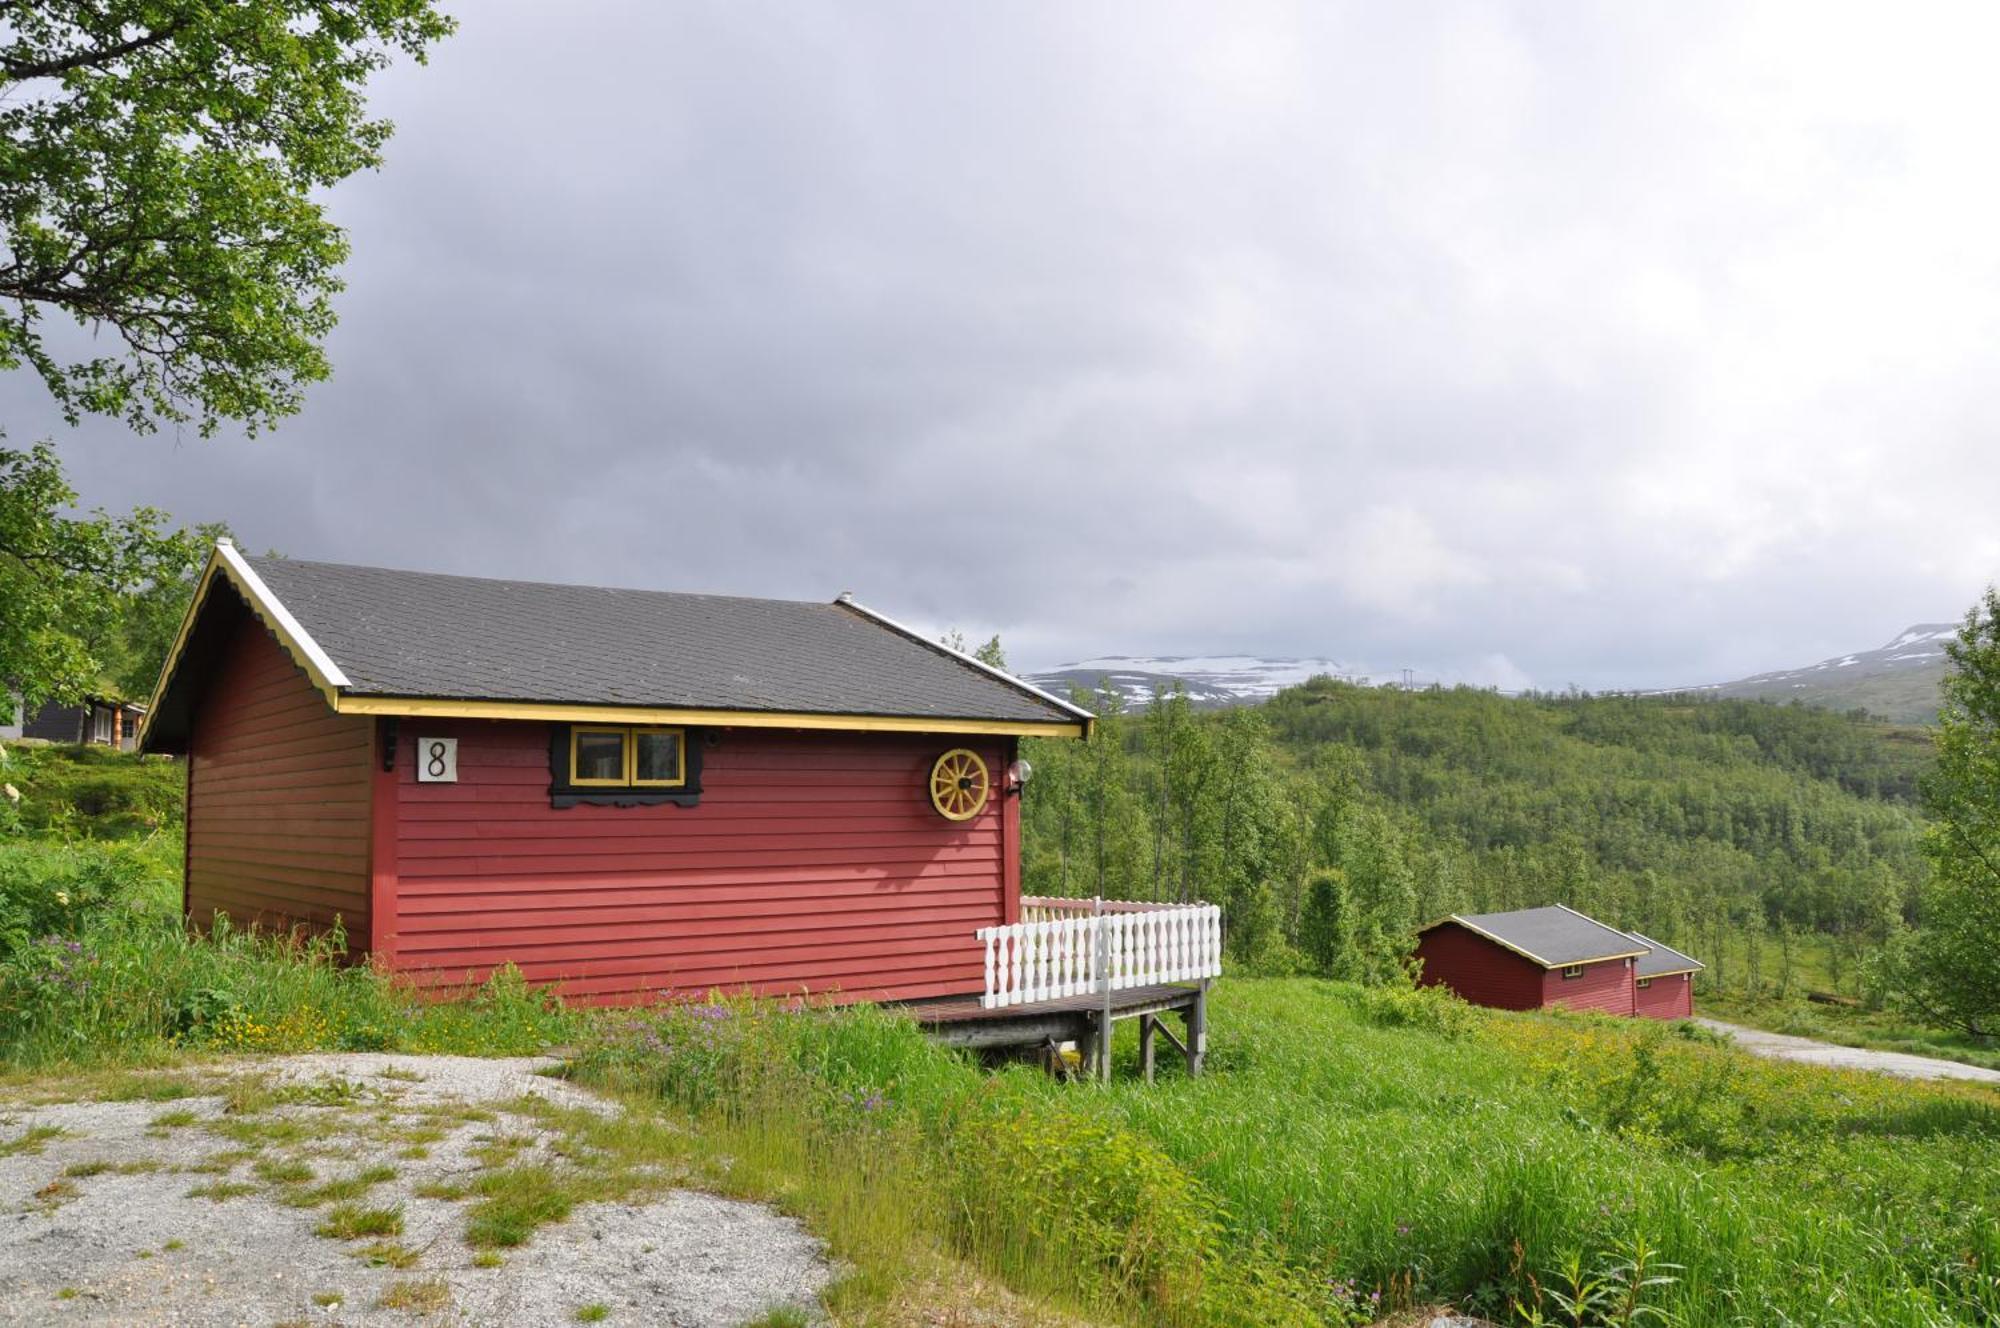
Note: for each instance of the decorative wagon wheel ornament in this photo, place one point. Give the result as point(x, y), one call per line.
point(959, 784)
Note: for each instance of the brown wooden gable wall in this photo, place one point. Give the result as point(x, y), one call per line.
point(278, 797)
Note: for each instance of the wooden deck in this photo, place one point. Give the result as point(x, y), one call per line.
point(964, 1021)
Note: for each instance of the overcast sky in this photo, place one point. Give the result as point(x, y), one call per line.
point(1621, 345)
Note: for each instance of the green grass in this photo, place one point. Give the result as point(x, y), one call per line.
point(783, 1316)
point(350, 1221)
point(389, 1254)
point(418, 1297)
point(1347, 1145)
point(342, 1189)
point(1771, 994)
point(514, 1201)
point(96, 968)
point(595, 1312)
point(30, 1140)
point(283, 1170)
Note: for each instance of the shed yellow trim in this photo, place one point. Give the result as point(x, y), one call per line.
point(443, 708)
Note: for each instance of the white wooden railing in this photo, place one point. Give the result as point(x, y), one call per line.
point(1077, 947)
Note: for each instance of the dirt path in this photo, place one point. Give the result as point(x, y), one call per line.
point(1784, 1046)
point(327, 1190)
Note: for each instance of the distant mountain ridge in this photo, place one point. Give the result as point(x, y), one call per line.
point(1211, 681)
point(1898, 680)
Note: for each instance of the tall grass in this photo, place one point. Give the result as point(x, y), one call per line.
point(887, 1143)
point(1344, 1149)
point(97, 967)
point(144, 991)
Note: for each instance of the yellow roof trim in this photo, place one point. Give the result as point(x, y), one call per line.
point(426, 707)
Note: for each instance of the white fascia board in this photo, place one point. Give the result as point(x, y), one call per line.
point(246, 578)
point(885, 620)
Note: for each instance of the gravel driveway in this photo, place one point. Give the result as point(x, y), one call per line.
point(324, 1190)
point(1785, 1047)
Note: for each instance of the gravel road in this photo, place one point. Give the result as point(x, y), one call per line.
point(1785, 1047)
point(186, 1212)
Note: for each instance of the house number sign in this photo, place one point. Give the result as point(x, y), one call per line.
point(437, 760)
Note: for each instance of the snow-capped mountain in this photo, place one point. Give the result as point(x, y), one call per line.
point(1210, 680)
point(1899, 680)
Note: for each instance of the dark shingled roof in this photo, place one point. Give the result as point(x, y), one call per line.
point(419, 634)
point(1664, 959)
point(1554, 936)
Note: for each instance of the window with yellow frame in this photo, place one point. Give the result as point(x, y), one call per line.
point(620, 759)
point(626, 756)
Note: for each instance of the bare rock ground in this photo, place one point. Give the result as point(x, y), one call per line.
point(226, 1208)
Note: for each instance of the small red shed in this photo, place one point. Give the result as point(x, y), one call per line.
point(1537, 958)
point(622, 792)
point(1663, 981)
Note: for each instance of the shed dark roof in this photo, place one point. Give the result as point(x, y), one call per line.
point(1554, 936)
point(385, 642)
point(1663, 960)
point(422, 634)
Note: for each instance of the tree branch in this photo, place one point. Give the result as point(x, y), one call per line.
point(22, 70)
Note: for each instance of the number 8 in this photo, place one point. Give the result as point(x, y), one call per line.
point(436, 763)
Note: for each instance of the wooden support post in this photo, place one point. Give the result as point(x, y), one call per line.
point(1197, 1031)
point(1103, 1045)
point(1147, 1023)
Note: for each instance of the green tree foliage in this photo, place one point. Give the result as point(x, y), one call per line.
point(161, 169)
point(92, 601)
point(1326, 927)
point(1334, 820)
point(1949, 969)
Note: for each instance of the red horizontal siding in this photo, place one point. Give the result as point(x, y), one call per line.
point(1479, 970)
point(277, 818)
point(813, 863)
point(1605, 986)
point(1670, 997)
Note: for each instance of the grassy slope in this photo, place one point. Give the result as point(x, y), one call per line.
point(1781, 1190)
point(1908, 696)
point(1615, 774)
point(1336, 1145)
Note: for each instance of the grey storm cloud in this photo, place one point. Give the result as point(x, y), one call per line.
point(1618, 345)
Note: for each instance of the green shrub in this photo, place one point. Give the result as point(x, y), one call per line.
point(1432, 1009)
point(63, 889)
point(95, 792)
point(133, 988)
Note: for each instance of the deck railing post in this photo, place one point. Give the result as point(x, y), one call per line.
point(1068, 948)
point(1104, 988)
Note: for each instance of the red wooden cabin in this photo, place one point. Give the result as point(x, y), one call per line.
point(1663, 981)
point(1541, 958)
point(622, 792)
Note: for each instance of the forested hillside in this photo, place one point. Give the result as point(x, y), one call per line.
point(1334, 819)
